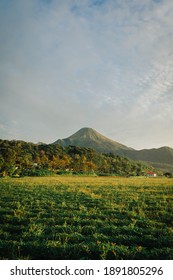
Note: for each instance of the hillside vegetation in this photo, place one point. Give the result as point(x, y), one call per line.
point(19, 158)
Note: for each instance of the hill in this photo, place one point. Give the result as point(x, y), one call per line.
point(161, 158)
point(19, 158)
point(90, 138)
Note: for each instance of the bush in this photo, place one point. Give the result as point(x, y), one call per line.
point(168, 175)
point(38, 172)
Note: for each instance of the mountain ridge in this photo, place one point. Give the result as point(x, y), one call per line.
point(90, 138)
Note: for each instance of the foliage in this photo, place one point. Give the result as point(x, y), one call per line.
point(86, 218)
point(168, 175)
point(19, 158)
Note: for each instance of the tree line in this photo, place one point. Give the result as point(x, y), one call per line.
point(19, 158)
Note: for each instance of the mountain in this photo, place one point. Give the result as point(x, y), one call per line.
point(161, 158)
point(161, 155)
point(90, 138)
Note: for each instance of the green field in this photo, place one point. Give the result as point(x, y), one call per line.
point(86, 218)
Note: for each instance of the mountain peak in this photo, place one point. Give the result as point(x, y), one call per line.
point(87, 132)
point(85, 129)
point(90, 138)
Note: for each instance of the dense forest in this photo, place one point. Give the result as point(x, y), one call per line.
point(19, 158)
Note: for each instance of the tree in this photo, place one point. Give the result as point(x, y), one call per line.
point(9, 165)
point(44, 159)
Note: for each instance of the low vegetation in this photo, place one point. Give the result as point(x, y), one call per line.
point(68, 217)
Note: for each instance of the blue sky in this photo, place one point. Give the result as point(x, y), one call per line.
point(105, 64)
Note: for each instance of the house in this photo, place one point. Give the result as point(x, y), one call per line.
point(151, 174)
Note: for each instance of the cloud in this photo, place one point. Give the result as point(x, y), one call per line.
point(104, 64)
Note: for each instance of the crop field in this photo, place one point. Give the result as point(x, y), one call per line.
point(86, 218)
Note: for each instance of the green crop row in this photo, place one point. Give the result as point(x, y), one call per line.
point(86, 220)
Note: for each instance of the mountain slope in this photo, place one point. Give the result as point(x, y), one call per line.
point(162, 155)
point(90, 138)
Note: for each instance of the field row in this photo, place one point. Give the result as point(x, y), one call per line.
point(75, 218)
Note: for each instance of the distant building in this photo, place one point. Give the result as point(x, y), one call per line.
point(151, 174)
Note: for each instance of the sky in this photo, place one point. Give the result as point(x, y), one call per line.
point(104, 64)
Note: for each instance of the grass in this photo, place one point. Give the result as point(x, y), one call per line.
point(86, 218)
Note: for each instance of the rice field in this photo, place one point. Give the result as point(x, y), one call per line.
point(89, 218)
